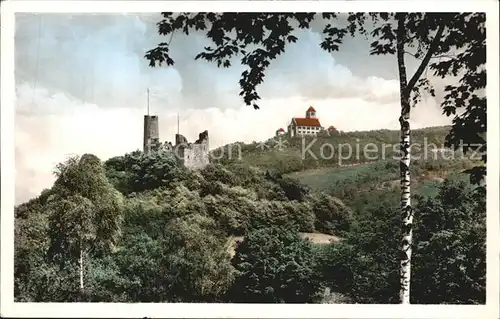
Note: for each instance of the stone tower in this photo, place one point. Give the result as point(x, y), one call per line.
point(151, 133)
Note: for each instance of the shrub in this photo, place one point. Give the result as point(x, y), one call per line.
point(331, 215)
point(275, 265)
point(365, 265)
point(449, 260)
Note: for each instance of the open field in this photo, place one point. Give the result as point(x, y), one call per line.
point(379, 176)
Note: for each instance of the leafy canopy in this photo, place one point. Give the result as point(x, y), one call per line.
point(175, 239)
point(275, 265)
point(450, 257)
point(85, 205)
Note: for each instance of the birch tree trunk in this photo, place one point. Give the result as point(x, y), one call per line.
point(81, 269)
point(404, 120)
point(406, 210)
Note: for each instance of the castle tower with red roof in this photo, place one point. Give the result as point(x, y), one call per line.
point(311, 113)
point(308, 125)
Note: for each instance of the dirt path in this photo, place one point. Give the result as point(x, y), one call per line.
point(317, 238)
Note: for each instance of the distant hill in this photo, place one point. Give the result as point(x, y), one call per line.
point(287, 155)
point(361, 175)
point(358, 183)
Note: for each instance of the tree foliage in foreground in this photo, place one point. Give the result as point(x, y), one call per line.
point(450, 257)
point(274, 265)
point(449, 263)
point(174, 233)
point(174, 247)
point(86, 213)
point(363, 265)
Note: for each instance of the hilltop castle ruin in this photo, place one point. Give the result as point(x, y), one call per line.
point(191, 155)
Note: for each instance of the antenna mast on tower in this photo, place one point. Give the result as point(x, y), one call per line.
point(177, 123)
point(148, 100)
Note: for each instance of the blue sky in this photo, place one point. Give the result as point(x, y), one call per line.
point(81, 85)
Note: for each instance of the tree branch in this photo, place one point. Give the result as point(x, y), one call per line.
point(450, 56)
point(426, 59)
point(413, 55)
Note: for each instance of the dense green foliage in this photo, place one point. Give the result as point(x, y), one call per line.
point(363, 265)
point(174, 226)
point(275, 265)
point(166, 233)
point(450, 264)
point(449, 258)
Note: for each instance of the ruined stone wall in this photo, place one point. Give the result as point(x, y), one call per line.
point(193, 155)
point(196, 156)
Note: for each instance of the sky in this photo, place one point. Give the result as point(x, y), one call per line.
point(81, 83)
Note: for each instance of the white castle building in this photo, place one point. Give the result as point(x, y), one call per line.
point(308, 125)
